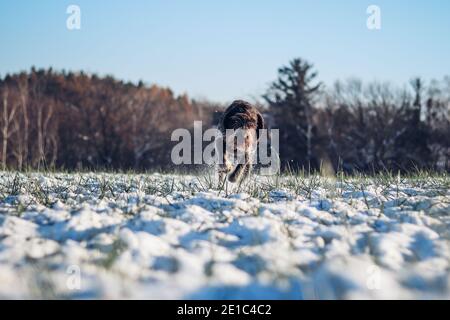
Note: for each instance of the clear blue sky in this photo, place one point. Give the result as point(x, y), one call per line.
point(228, 49)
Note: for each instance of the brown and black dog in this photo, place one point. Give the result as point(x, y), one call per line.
point(244, 118)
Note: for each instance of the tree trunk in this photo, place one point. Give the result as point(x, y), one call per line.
point(5, 129)
point(26, 125)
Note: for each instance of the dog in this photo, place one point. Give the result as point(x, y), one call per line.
point(244, 119)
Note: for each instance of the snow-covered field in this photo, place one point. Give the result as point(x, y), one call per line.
point(169, 237)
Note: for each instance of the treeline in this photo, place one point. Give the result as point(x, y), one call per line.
point(357, 127)
point(71, 120)
point(74, 120)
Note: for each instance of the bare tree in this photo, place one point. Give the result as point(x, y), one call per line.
point(9, 111)
point(21, 123)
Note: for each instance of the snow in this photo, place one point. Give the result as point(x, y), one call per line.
point(97, 235)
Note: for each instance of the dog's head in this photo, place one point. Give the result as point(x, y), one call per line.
point(241, 115)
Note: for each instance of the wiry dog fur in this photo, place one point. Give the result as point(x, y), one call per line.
point(240, 115)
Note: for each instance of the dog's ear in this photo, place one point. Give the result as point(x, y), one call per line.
point(260, 125)
point(260, 121)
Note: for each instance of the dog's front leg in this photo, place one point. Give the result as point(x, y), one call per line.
point(224, 166)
